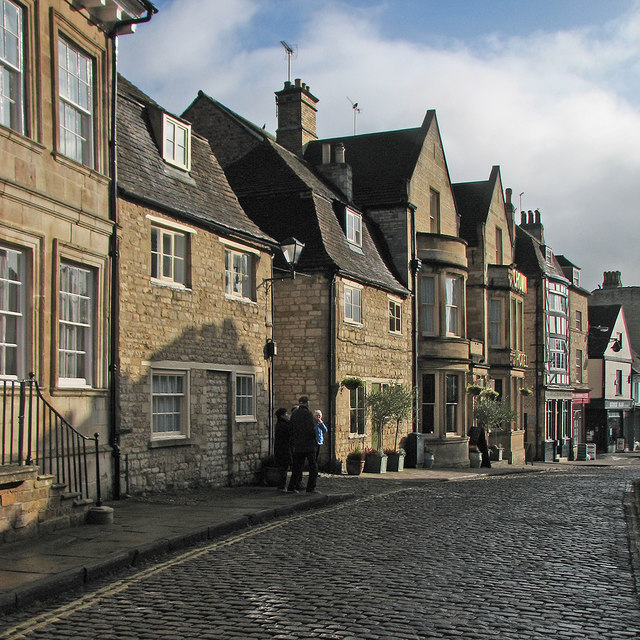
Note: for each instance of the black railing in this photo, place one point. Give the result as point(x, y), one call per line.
point(34, 433)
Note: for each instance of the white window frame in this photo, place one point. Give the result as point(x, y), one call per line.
point(395, 316)
point(76, 318)
point(182, 410)
point(353, 305)
point(76, 115)
point(13, 286)
point(12, 67)
point(170, 255)
point(496, 323)
point(239, 274)
point(353, 226)
point(578, 320)
point(176, 142)
point(429, 306)
point(579, 365)
point(245, 397)
point(453, 306)
point(449, 404)
point(357, 417)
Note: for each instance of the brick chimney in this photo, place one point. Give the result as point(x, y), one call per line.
point(532, 224)
point(612, 280)
point(296, 116)
point(337, 172)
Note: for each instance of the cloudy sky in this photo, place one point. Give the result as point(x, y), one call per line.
point(547, 89)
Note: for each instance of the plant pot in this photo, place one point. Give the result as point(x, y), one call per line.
point(271, 476)
point(395, 461)
point(495, 454)
point(428, 460)
point(375, 464)
point(354, 466)
point(475, 459)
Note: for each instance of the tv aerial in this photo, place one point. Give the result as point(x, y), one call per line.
point(356, 111)
point(290, 51)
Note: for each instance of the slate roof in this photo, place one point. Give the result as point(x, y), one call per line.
point(382, 162)
point(202, 196)
point(473, 200)
point(604, 316)
point(285, 196)
point(530, 257)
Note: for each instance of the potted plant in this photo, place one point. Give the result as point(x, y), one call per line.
point(395, 459)
point(474, 389)
point(352, 382)
point(429, 458)
point(375, 461)
point(270, 471)
point(489, 411)
point(355, 462)
point(495, 452)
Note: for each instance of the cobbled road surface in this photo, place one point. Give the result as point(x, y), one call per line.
point(528, 556)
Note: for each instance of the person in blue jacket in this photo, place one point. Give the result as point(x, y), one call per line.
point(321, 429)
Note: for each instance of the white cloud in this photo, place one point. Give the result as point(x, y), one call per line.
point(558, 111)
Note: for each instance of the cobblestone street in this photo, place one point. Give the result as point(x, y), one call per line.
point(526, 556)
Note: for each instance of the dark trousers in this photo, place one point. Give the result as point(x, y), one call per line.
point(485, 458)
point(296, 471)
point(282, 477)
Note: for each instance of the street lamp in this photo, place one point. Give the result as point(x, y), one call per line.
point(291, 250)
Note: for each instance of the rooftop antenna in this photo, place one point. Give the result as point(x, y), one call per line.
point(289, 49)
point(356, 111)
point(521, 194)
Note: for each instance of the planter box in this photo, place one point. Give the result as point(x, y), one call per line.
point(428, 460)
point(354, 467)
point(375, 464)
point(495, 454)
point(271, 476)
point(395, 461)
point(475, 459)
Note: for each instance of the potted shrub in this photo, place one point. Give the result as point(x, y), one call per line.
point(375, 461)
point(352, 382)
point(395, 459)
point(355, 462)
point(270, 472)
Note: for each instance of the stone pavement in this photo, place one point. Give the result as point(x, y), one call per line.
point(147, 527)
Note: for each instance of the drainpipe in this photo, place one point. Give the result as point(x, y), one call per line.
point(538, 376)
point(415, 265)
point(114, 333)
point(331, 382)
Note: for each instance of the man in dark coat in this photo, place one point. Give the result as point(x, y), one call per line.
point(282, 447)
point(303, 444)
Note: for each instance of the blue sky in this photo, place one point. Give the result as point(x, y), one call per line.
point(547, 89)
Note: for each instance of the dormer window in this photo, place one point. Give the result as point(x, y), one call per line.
point(354, 228)
point(548, 255)
point(576, 277)
point(176, 142)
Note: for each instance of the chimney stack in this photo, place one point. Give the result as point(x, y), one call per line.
point(337, 172)
point(532, 223)
point(612, 280)
point(296, 116)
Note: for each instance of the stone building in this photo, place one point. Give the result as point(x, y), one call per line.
point(401, 182)
point(547, 411)
point(609, 412)
point(495, 300)
point(344, 314)
point(194, 317)
point(57, 226)
point(578, 348)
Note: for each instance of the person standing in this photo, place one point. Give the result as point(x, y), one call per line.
point(303, 445)
point(321, 429)
point(282, 447)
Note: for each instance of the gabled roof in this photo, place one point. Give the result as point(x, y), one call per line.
point(383, 163)
point(286, 196)
point(530, 257)
point(473, 202)
point(202, 196)
point(602, 321)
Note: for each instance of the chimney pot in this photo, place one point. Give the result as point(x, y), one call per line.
point(523, 218)
point(508, 194)
point(537, 216)
point(530, 213)
point(298, 82)
point(326, 153)
point(340, 159)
